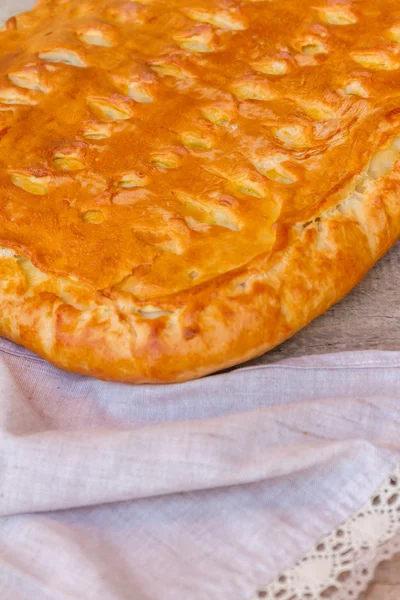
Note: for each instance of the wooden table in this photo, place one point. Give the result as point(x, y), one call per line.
point(387, 582)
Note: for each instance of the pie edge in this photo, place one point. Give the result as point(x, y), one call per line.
point(218, 324)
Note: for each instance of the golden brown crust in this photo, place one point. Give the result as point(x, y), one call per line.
point(189, 196)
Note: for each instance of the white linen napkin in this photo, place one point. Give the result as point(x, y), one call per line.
point(204, 490)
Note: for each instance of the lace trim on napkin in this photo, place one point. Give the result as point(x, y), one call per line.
point(343, 563)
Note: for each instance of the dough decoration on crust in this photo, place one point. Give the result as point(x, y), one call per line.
point(186, 184)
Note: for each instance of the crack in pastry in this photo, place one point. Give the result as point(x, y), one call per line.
point(230, 19)
point(97, 131)
point(200, 39)
point(36, 183)
point(310, 45)
point(271, 165)
point(68, 161)
point(95, 217)
point(210, 212)
point(252, 88)
point(133, 179)
point(170, 67)
point(337, 15)
point(356, 88)
point(15, 96)
point(271, 66)
point(376, 59)
point(110, 109)
point(98, 35)
point(62, 56)
point(29, 78)
point(185, 185)
point(393, 33)
point(136, 80)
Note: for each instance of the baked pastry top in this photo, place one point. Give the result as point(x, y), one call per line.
point(187, 183)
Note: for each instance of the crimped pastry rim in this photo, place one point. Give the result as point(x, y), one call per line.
point(44, 324)
point(109, 333)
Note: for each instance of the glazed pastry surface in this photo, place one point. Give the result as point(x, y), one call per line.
point(187, 184)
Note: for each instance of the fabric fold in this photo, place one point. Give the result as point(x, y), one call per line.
point(53, 467)
point(205, 490)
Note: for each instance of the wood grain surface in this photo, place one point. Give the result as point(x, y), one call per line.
point(386, 585)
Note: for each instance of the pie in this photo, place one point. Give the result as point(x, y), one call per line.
point(187, 183)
